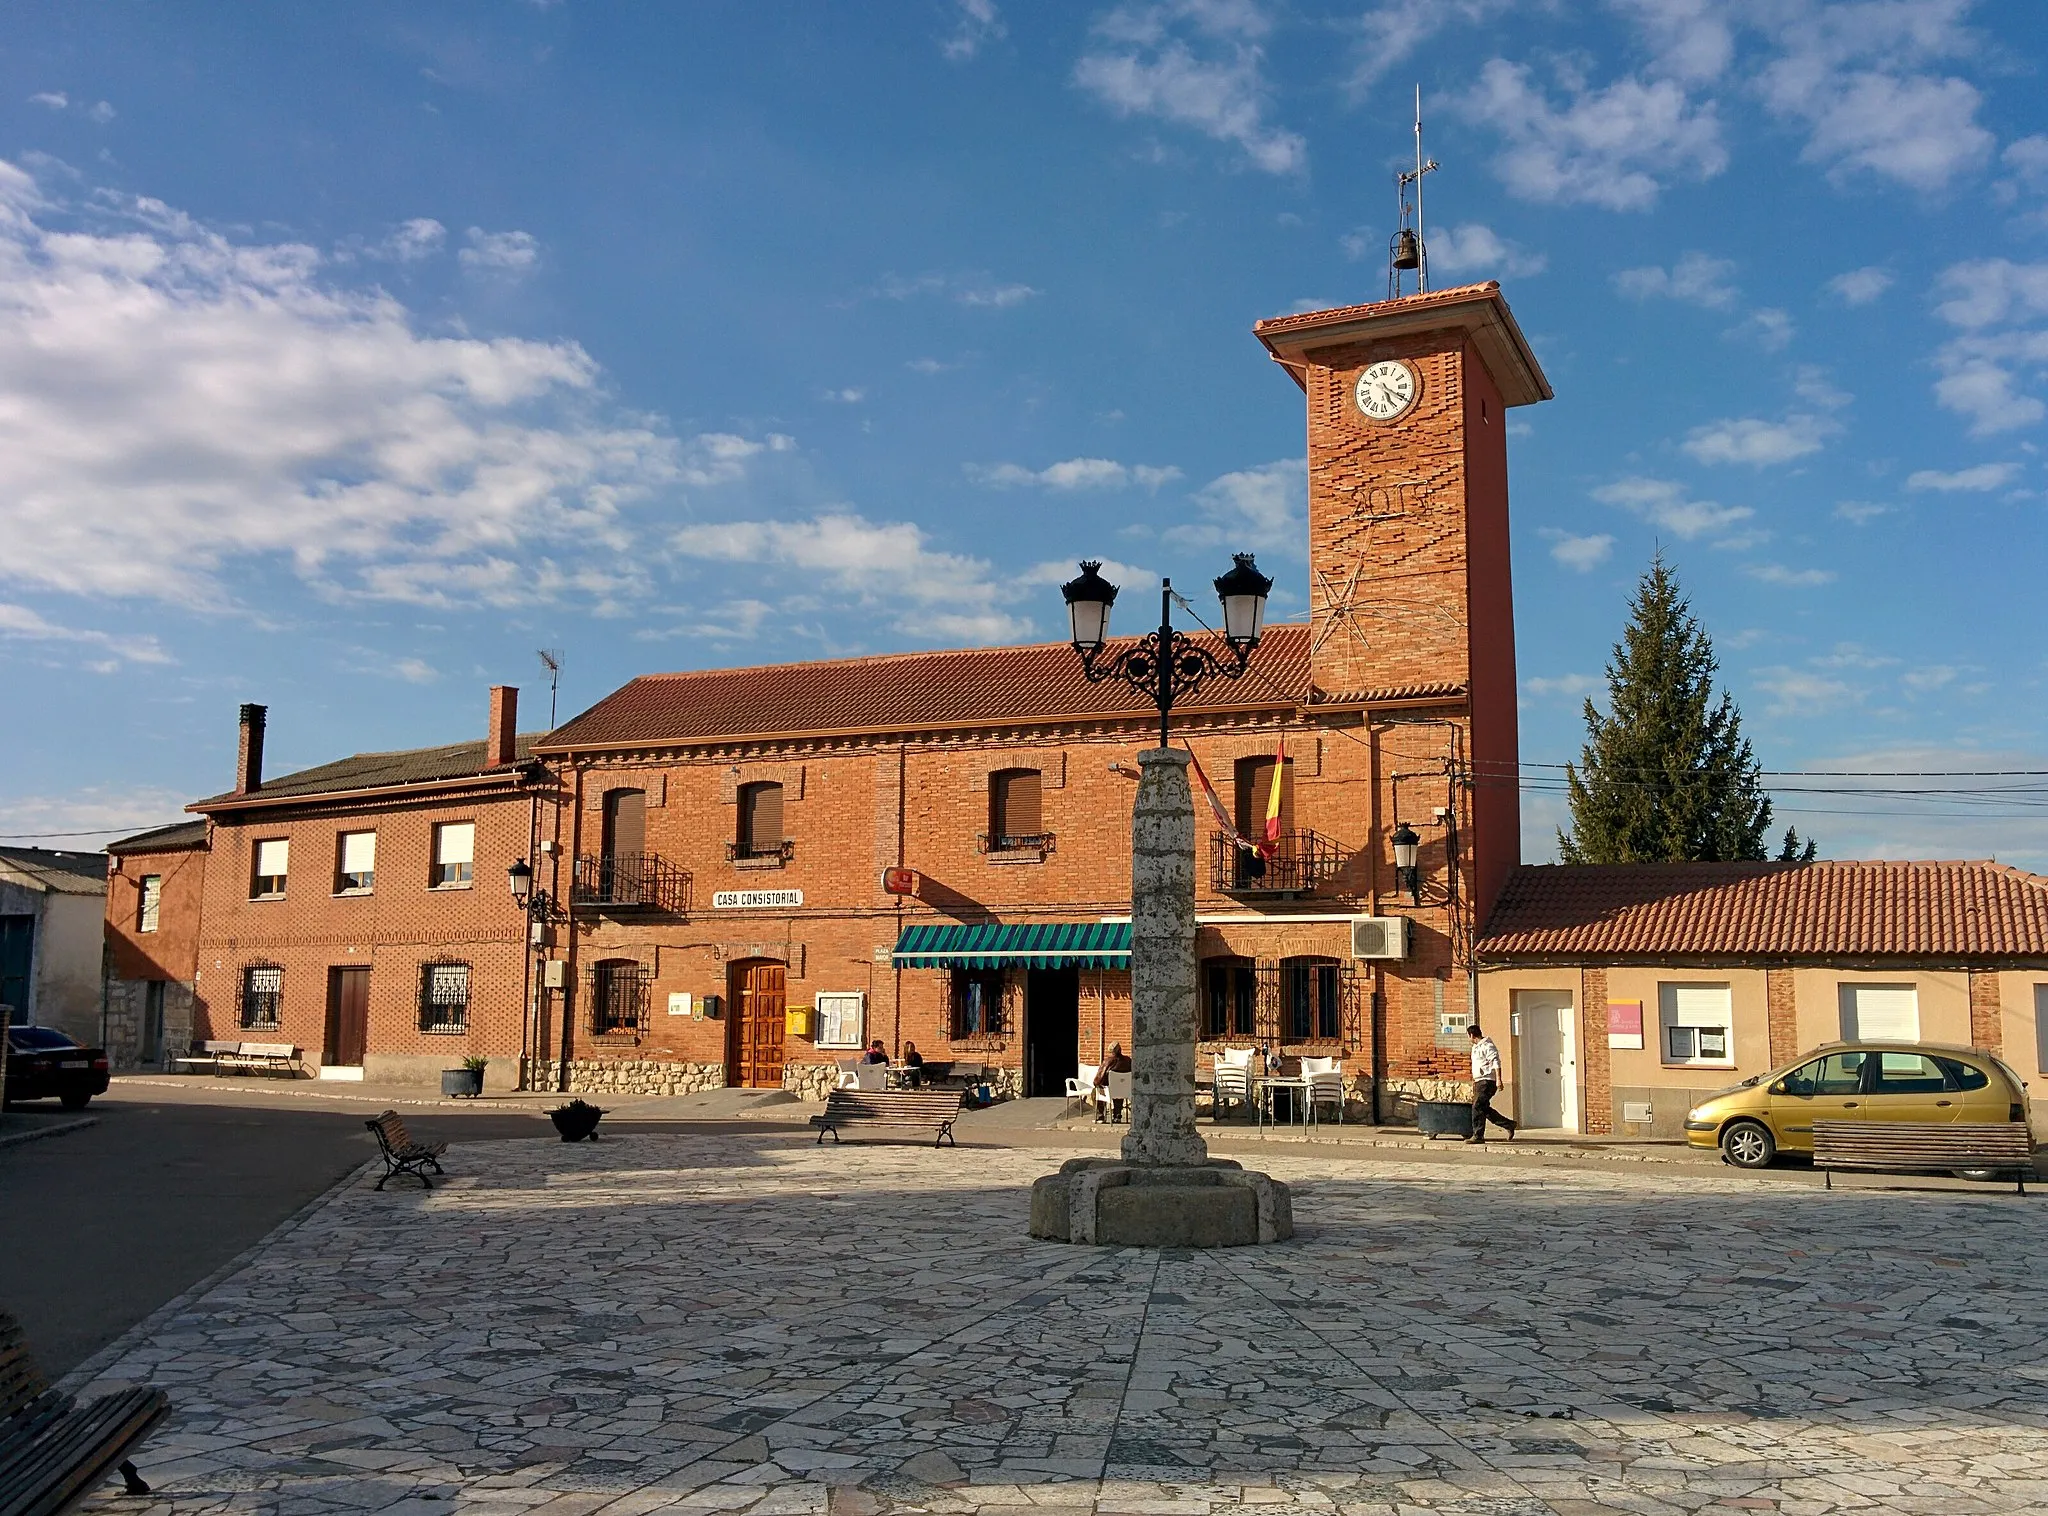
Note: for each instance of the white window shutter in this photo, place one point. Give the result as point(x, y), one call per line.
point(273, 857)
point(456, 843)
point(359, 853)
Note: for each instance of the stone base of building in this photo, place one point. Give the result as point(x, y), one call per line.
point(500, 1075)
point(813, 1081)
point(127, 1037)
point(1111, 1203)
point(1399, 1096)
point(629, 1076)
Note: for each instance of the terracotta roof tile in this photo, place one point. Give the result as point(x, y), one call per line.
point(372, 771)
point(1946, 911)
point(905, 692)
point(1275, 325)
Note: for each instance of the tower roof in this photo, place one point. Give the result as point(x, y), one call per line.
point(1474, 309)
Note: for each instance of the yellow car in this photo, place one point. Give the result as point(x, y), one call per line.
point(1854, 1081)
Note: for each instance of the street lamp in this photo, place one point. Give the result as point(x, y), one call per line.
point(1407, 875)
point(539, 908)
point(1167, 664)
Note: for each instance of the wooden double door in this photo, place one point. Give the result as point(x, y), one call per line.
point(756, 1023)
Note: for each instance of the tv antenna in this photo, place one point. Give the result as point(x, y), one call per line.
point(551, 660)
point(1406, 250)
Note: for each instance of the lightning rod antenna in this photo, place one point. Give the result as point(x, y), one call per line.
point(1407, 250)
point(551, 660)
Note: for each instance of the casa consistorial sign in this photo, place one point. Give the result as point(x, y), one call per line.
point(757, 900)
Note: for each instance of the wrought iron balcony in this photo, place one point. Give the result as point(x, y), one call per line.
point(633, 881)
point(1300, 863)
point(761, 853)
point(1037, 844)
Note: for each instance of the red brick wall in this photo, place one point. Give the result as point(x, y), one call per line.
point(1781, 1009)
point(1987, 1017)
point(1496, 787)
point(1598, 1113)
point(172, 951)
point(400, 926)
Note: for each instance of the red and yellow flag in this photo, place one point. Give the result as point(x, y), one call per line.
point(1271, 846)
point(1209, 793)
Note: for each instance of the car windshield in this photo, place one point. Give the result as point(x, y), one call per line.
point(38, 1039)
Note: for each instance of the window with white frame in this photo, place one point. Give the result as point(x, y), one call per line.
point(1879, 1012)
point(454, 853)
point(271, 864)
point(150, 902)
point(842, 1019)
point(1696, 1024)
point(356, 863)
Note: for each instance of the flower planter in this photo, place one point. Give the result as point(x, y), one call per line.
point(464, 1084)
point(1443, 1118)
point(576, 1120)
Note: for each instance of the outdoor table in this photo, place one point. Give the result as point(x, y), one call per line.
point(1263, 1086)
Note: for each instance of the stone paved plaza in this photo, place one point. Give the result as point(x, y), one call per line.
point(754, 1324)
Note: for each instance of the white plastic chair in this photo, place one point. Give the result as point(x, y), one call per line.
point(1082, 1085)
point(1325, 1078)
point(871, 1076)
point(1117, 1091)
point(1233, 1079)
point(848, 1077)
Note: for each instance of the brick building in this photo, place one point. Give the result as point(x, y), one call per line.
point(156, 884)
point(1629, 992)
point(357, 910)
point(721, 836)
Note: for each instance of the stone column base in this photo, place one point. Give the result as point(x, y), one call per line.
point(1219, 1204)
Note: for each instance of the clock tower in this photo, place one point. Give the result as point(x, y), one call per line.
point(1411, 607)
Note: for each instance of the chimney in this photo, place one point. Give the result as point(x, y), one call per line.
point(249, 761)
point(499, 746)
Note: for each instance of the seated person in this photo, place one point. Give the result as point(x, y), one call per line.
point(1118, 1062)
point(913, 1065)
point(876, 1052)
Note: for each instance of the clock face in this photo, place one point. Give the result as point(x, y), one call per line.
point(1386, 389)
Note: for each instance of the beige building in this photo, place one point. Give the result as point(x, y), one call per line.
point(51, 903)
point(1621, 994)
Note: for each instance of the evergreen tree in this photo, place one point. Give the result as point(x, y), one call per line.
point(1794, 851)
point(1666, 775)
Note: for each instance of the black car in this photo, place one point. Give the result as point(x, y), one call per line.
point(47, 1065)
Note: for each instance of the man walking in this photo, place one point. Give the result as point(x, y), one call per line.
point(1485, 1083)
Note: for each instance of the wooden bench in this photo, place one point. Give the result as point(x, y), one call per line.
point(401, 1154)
point(910, 1108)
point(1924, 1148)
point(54, 1451)
point(209, 1055)
point(269, 1057)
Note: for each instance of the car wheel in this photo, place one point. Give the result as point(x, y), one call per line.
point(1748, 1145)
point(75, 1102)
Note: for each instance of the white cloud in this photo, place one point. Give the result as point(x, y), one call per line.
point(1801, 692)
point(383, 666)
point(1192, 63)
point(1573, 687)
point(1394, 31)
point(714, 458)
point(1664, 504)
point(1073, 474)
point(1812, 384)
point(500, 252)
point(222, 405)
point(53, 99)
point(847, 396)
point(1861, 512)
point(1756, 442)
point(1789, 578)
point(94, 811)
point(928, 366)
point(977, 25)
point(1260, 510)
point(1936, 827)
point(1695, 278)
point(421, 237)
point(877, 563)
point(1055, 571)
point(1693, 39)
point(1859, 286)
point(101, 112)
point(1929, 677)
point(1767, 326)
point(980, 290)
point(1610, 147)
point(1997, 304)
point(1475, 249)
point(18, 623)
point(1582, 554)
point(1989, 292)
point(1916, 129)
point(1982, 476)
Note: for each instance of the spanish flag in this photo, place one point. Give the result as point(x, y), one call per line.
point(1271, 846)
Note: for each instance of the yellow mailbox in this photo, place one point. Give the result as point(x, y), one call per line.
point(798, 1020)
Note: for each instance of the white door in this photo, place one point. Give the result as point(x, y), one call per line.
point(1546, 1059)
point(1880, 1013)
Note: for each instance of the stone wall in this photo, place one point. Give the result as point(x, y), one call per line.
point(126, 1003)
point(632, 1076)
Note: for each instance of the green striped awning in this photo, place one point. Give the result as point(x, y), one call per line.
point(1042, 945)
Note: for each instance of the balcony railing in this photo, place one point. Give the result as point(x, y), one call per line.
point(767, 852)
point(1035, 843)
point(633, 881)
point(1301, 863)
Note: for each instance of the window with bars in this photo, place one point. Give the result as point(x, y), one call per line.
point(444, 997)
point(619, 992)
point(760, 822)
point(1317, 1000)
point(1016, 814)
point(977, 1003)
point(1230, 998)
point(454, 854)
point(262, 996)
point(270, 864)
point(149, 903)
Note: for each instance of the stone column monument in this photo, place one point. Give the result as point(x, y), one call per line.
point(1165, 1191)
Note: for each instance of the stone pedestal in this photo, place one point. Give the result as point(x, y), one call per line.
point(1166, 1191)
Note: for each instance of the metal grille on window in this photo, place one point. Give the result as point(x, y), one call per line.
point(975, 1003)
point(619, 993)
point(1311, 1000)
point(444, 997)
point(262, 995)
point(1230, 998)
point(151, 903)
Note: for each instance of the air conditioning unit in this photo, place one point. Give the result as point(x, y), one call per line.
point(1379, 936)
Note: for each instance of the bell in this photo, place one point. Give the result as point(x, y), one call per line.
point(1407, 249)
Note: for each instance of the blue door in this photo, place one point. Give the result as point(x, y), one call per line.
point(17, 954)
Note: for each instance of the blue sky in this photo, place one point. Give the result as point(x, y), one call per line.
point(349, 354)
